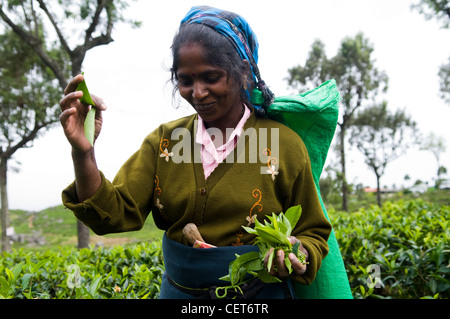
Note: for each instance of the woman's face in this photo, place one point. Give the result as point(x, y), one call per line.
point(212, 93)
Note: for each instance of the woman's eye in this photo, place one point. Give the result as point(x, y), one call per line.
point(206, 78)
point(212, 79)
point(184, 82)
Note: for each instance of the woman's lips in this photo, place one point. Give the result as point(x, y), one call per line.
point(204, 106)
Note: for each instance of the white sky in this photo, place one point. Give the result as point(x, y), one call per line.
point(131, 76)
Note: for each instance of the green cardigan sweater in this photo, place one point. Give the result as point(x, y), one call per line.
point(165, 178)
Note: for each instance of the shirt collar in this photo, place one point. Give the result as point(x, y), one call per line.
point(204, 138)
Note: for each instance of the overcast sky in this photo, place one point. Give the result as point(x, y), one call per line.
point(131, 75)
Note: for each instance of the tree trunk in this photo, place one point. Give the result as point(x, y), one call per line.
point(343, 172)
point(378, 190)
point(83, 235)
point(4, 202)
point(77, 56)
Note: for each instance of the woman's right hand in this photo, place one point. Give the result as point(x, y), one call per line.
point(74, 113)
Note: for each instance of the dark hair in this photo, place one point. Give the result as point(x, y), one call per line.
point(219, 51)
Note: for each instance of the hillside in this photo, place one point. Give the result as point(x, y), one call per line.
point(56, 226)
point(398, 251)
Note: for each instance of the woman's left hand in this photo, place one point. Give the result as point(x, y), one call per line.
point(279, 268)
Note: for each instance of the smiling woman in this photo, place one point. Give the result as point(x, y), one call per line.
point(214, 95)
point(216, 85)
point(215, 70)
point(236, 67)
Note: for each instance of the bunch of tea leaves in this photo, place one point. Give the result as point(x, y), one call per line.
point(274, 233)
point(89, 122)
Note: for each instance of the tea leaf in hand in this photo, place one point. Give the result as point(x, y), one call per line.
point(89, 122)
point(264, 276)
point(288, 263)
point(295, 248)
point(250, 230)
point(86, 99)
point(241, 265)
point(270, 260)
point(274, 234)
point(89, 125)
point(293, 214)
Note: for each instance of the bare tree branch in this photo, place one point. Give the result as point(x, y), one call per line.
point(61, 37)
point(79, 52)
point(95, 20)
point(37, 46)
point(31, 135)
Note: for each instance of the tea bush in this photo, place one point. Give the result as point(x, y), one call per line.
point(398, 251)
point(133, 271)
point(406, 245)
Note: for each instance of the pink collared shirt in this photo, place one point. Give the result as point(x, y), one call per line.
point(212, 156)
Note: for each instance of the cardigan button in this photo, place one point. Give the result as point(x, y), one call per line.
point(203, 191)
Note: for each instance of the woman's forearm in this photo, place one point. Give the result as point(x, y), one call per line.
point(87, 175)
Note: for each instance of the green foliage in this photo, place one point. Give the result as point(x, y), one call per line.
point(57, 226)
point(270, 235)
point(132, 272)
point(444, 82)
point(408, 241)
point(382, 136)
point(27, 94)
point(353, 68)
point(82, 10)
point(94, 21)
point(358, 80)
point(89, 122)
point(440, 11)
point(437, 9)
point(86, 98)
point(401, 250)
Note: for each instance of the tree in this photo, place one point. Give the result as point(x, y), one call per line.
point(436, 145)
point(440, 10)
point(27, 107)
point(444, 85)
point(330, 184)
point(358, 80)
point(94, 21)
point(382, 136)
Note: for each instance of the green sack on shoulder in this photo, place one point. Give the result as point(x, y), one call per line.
point(313, 116)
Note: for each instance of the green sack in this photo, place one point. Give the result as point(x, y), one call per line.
point(313, 115)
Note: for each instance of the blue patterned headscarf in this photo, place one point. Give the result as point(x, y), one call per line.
point(238, 31)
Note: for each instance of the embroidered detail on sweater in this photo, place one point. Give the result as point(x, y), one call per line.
point(157, 194)
point(256, 193)
point(256, 208)
point(272, 161)
point(165, 153)
point(238, 242)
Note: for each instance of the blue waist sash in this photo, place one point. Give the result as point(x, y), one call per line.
point(195, 272)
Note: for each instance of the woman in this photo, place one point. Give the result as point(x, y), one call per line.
point(220, 168)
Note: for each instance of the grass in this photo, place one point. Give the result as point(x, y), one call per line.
point(58, 226)
point(360, 199)
point(408, 240)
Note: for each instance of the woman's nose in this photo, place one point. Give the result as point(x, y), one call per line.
point(199, 91)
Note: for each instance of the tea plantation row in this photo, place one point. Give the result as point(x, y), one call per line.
point(118, 272)
point(401, 250)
